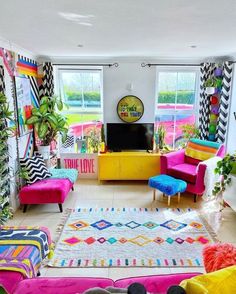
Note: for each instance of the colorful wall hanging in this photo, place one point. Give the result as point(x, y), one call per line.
point(24, 104)
point(130, 109)
point(26, 67)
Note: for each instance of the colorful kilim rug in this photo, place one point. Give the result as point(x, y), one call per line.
point(132, 237)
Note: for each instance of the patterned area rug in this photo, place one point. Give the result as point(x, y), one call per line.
point(132, 237)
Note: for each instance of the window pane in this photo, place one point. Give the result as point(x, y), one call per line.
point(168, 122)
point(186, 90)
point(91, 90)
point(167, 86)
point(71, 84)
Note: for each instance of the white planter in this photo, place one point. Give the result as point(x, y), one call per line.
point(210, 90)
point(44, 151)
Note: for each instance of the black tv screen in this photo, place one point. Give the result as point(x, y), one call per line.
point(121, 136)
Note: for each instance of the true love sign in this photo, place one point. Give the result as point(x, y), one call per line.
point(86, 164)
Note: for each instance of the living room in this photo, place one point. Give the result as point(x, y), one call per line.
point(117, 146)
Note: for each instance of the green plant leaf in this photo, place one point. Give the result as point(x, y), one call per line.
point(44, 100)
point(43, 129)
point(32, 120)
point(59, 105)
point(43, 108)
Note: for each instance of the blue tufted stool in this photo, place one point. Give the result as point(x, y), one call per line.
point(64, 173)
point(168, 185)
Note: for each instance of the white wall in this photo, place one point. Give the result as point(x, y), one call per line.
point(231, 137)
point(116, 84)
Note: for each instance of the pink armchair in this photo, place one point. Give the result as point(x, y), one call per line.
point(180, 166)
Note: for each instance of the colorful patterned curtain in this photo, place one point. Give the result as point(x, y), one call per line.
point(224, 102)
point(4, 168)
point(207, 72)
point(46, 87)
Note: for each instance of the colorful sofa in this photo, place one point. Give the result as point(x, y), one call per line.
point(181, 166)
point(74, 285)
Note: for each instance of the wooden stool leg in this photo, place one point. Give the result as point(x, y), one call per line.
point(163, 195)
point(168, 200)
point(154, 194)
point(178, 197)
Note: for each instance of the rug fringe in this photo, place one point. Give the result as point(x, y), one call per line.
point(129, 209)
point(209, 228)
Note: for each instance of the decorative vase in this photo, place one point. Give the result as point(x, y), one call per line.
point(210, 90)
point(218, 72)
point(44, 151)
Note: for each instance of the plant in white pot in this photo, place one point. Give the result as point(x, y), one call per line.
point(48, 122)
point(210, 86)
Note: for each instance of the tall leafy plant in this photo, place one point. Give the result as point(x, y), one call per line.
point(5, 133)
point(47, 120)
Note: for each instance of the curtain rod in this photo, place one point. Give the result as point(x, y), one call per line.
point(115, 64)
point(172, 64)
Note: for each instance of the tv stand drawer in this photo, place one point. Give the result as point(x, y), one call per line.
point(128, 166)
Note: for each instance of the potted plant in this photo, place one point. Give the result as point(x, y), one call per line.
point(48, 122)
point(93, 138)
point(225, 168)
point(210, 86)
point(218, 72)
point(5, 133)
point(161, 132)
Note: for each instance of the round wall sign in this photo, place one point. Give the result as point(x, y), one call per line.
point(130, 108)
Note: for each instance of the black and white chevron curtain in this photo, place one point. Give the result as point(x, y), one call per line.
point(4, 170)
point(47, 86)
point(206, 72)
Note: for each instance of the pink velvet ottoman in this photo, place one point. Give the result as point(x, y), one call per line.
point(45, 191)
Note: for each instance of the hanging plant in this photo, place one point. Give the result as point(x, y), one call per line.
point(225, 168)
point(210, 86)
point(5, 133)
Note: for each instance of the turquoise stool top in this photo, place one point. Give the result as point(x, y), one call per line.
point(64, 173)
point(167, 184)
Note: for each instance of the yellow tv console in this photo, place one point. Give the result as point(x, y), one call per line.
point(128, 165)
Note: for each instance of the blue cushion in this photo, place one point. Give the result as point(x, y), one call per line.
point(167, 184)
point(64, 173)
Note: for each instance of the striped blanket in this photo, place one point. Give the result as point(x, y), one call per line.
point(22, 249)
point(201, 149)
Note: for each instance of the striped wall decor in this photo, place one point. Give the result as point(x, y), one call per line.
point(4, 171)
point(46, 86)
point(225, 98)
point(206, 72)
point(26, 66)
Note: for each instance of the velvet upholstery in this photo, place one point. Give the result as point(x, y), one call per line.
point(9, 281)
point(178, 165)
point(45, 191)
point(153, 284)
point(166, 184)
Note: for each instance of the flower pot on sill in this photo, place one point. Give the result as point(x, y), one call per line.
point(44, 151)
point(210, 90)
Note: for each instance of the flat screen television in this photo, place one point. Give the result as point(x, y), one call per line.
point(122, 136)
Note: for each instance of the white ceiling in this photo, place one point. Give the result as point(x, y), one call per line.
point(118, 28)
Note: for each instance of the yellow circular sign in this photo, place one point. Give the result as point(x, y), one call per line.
point(130, 108)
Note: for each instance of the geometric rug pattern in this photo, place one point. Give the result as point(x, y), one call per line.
point(123, 237)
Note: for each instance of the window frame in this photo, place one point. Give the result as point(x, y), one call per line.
point(175, 112)
point(58, 70)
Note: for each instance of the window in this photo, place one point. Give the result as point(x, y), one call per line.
point(81, 90)
point(176, 101)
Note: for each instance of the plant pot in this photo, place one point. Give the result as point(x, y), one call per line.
point(210, 90)
point(218, 72)
point(44, 151)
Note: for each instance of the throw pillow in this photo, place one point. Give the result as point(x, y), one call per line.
point(35, 167)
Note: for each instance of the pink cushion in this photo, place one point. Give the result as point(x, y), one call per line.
point(190, 160)
point(9, 280)
point(185, 171)
point(45, 191)
point(157, 283)
point(61, 285)
point(218, 256)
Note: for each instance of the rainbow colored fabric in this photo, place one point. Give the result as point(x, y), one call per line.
point(27, 68)
point(201, 149)
point(22, 249)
